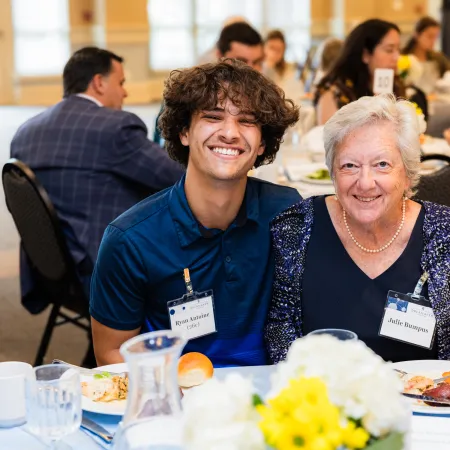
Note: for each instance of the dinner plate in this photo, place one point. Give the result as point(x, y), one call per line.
point(114, 408)
point(305, 179)
point(428, 368)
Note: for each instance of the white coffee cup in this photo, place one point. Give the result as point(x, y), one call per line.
point(13, 375)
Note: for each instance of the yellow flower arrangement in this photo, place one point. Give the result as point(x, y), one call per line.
point(302, 417)
point(403, 65)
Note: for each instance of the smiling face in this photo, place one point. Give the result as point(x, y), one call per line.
point(385, 55)
point(369, 174)
point(223, 143)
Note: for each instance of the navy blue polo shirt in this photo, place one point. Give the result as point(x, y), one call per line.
point(144, 252)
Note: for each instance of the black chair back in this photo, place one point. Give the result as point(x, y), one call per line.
point(45, 246)
point(435, 187)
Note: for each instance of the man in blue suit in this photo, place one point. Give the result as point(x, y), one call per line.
point(94, 160)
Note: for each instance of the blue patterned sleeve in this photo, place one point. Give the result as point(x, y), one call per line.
point(289, 241)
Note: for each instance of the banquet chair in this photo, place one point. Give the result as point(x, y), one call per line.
point(45, 246)
point(435, 186)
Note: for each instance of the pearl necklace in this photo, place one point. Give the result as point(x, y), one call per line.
point(377, 250)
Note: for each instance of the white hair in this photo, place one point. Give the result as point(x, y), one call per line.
point(372, 110)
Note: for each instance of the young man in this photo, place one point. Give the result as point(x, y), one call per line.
point(219, 120)
point(237, 41)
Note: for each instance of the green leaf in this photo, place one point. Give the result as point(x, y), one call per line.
point(299, 441)
point(257, 400)
point(392, 442)
point(99, 376)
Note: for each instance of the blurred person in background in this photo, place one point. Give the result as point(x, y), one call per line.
point(421, 45)
point(210, 55)
point(93, 159)
point(373, 44)
point(275, 66)
point(327, 53)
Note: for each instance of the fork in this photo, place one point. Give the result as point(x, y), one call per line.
point(435, 381)
point(89, 372)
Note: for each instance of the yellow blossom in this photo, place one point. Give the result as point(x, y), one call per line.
point(403, 63)
point(303, 417)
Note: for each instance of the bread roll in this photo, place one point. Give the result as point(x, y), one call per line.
point(194, 369)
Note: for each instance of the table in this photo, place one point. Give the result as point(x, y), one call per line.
point(429, 432)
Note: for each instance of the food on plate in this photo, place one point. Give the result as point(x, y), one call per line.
point(418, 384)
point(105, 388)
point(320, 174)
point(442, 391)
point(193, 369)
point(446, 374)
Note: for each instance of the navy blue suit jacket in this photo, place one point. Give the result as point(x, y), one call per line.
point(95, 163)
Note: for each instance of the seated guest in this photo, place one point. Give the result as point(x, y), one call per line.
point(374, 44)
point(275, 67)
point(210, 56)
point(328, 54)
point(239, 40)
point(367, 240)
point(94, 160)
point(421, 45)
point(220, 120)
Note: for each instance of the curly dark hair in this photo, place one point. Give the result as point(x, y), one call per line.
point(204, 87)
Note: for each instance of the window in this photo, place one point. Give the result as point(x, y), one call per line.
point(41, 36)
point(183, 30)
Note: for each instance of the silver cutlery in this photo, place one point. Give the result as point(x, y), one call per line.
point(428, 399)
point(89, 372)
point(97, 430)
point(435, 381)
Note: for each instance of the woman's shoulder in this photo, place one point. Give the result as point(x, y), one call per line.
point(299, 212)
point(340, 90)
point(437, 220)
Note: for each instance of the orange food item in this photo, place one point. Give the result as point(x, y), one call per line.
point(446, 374)
point(193, 369)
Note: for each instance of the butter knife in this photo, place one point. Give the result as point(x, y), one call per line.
point(97, 430)
point(426, 398)
point(88, 372)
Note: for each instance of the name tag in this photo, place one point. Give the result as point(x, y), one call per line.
point(408, 320)
point(383, 81)
point(193, 315)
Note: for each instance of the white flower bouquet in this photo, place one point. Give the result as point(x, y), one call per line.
point(327, 395)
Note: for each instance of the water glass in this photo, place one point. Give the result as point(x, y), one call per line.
point(53, 403)
point(342, 335)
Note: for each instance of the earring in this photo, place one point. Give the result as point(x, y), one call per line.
point(335, 196)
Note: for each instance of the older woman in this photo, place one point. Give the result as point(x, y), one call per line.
point(338, 257)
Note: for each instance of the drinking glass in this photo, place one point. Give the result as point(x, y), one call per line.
point(53, 403)
point(342, 335)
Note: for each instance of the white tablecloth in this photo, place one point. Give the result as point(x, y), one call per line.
point(429, 432)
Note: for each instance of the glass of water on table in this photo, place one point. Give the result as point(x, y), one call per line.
point(53, 402)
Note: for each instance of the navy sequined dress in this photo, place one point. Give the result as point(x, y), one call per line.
point(292, 304)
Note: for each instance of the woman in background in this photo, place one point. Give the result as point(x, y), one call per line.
point(373, 44)
point(282, 73)
point(421, 45)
